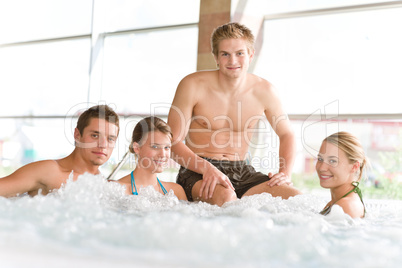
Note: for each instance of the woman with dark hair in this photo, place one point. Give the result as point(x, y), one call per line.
point(151, 143)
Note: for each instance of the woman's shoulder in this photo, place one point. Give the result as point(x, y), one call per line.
point(177, 189)
point(171, 185)
point(352, 205)
point(126, 180)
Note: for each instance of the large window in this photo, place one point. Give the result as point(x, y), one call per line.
point(142, 70)
point(118, 15)
point(275, 6)
point(27, 20)
point(353, 58)
point(336, 66)
point(44, 78)
point(60, 56)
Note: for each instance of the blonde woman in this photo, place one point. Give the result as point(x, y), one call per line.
point(151, 143)
point(340, 165)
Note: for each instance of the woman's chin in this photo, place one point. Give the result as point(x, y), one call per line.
point(158, 169)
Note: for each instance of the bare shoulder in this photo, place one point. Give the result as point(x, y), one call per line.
point(45, 175)
point(41, 167)
point(199, 76)
point(171, 185)
point(189, 92)
point(51, 171)
point(352, 206)
point(49, 163)
point(177, 189)
point(36, 170)
point(125, 181)
point(266, 94)
point(261, 86)
point(197, 80)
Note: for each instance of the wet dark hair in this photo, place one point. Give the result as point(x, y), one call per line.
point(146, 125)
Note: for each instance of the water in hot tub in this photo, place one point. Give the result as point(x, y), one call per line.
point(92, 223)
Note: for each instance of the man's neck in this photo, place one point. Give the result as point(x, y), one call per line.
point(231, 84)
point(76, 163)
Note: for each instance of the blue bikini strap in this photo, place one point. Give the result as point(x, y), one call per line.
point(133, 182)
point(163, 188)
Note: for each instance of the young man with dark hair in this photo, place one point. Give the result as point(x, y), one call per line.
point(95, 137)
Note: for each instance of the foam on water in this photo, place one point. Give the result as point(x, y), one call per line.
point(92, 223)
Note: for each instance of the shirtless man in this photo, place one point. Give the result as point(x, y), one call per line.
point(95, 136)
point(216, 112)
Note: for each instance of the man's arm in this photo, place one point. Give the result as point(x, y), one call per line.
point(179, 120)
point(286, 160)
point(280, 123)
point(24, 179)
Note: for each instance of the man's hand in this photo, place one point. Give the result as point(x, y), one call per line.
point(279, 179)
point(211, 178)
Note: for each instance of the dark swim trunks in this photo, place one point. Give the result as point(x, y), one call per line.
point(242, 176)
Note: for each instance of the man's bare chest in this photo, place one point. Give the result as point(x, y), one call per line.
point(234, 115)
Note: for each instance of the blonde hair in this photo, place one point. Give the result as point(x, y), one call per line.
point(352, 148)
point(232, 30)
point(146, 125)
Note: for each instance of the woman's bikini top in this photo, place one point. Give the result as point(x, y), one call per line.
point(133, 183)
point(327, 209)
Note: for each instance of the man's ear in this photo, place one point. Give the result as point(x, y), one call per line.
point(215, 59)
point(77, 134)
point(252, 55)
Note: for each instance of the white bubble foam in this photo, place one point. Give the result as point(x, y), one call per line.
point(93, 223)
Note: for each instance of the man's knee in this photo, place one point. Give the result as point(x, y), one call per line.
point(220, 196)
point(224, 195)
point(284, 191)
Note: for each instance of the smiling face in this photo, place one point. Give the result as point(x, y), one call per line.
point(97, 141)
point(333, 166)
point(233, 57)
point(154, 153)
